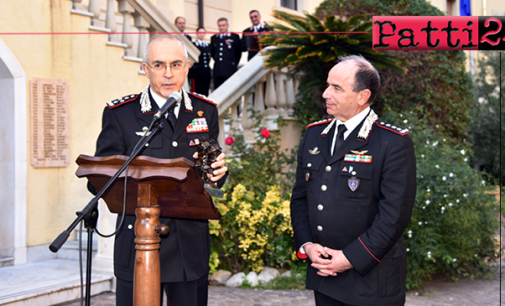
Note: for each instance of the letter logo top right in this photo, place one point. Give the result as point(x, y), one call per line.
point(438, 33)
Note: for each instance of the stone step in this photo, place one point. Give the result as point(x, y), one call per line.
point(70, 250)
point(47, 282)
point(6, 261)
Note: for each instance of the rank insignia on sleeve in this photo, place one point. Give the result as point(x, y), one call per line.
point(197, 125)
point(358, 158)
point(353, 183)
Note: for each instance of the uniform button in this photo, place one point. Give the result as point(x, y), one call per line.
point(220, 49)
point(205, 62)
point(320, 228)
point(320, 207)
point(220, 59)
point(328, 168)
point(323, 188)
point(353, 173)
point(130, 226)
point(309, 165)
point(174, 143)
point(220, 54)
point(221, 44)
point(206, 66)
point(147, 145)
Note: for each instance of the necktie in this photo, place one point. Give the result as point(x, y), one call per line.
point(340, 136)
point(172, 120)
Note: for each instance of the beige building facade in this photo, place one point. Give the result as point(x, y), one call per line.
point(69, 41)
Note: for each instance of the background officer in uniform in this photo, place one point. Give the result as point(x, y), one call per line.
point(226, 51)
point(353, 197)
point(251, 35)
point(184, 252)
point(180, 23)
point(199, 74)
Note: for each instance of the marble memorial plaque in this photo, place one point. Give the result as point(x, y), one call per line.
point(50, 126)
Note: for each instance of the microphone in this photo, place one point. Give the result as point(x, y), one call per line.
point(173, 99)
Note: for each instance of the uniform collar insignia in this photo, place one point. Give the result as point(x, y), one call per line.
point(145, 102)
point(327, 129)
point(367, 125)
point(187, 100)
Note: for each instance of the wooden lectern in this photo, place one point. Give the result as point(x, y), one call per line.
point(167, 187)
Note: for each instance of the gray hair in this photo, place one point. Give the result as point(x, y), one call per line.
point(366, 77)
point(160, 37)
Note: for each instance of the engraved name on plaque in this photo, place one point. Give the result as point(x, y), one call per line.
point(50, 127)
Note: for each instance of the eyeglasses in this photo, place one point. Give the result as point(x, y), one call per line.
point(159, 67)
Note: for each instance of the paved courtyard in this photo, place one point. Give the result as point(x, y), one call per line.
point(438, 292)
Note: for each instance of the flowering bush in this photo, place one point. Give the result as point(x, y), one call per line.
point(454, 220)
point(255, 230)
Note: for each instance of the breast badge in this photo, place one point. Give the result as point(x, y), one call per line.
point(358, 158)
point(197, 125)
point(145, 130)
point(353, 183)
point(314, 151)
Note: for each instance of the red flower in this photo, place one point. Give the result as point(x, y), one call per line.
point(229, 141)
point(265, 133)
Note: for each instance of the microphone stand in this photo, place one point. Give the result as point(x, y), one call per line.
point(90, 213)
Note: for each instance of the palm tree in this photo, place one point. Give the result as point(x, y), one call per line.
point(312, 47)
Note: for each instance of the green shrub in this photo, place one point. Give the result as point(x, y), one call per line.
point(486, 126)
point(454, 220)
point(255, 230)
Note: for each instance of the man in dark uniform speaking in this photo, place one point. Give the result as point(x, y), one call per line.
point(354, 193)
point(184, 253)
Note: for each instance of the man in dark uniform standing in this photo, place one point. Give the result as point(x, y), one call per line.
point(354, 193)
point(184, 253)
point(226, 51)
point(250, 36)
point(199, 74)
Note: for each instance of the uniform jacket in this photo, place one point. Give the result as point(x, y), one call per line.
point(367, 223)
point(226, 52)
point(250, 43)
point(185, 250)
point(201, 69)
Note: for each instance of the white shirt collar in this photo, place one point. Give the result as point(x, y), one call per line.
point(257, 27)
point(202, 43)
point(350, 124)
point(160, 101)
